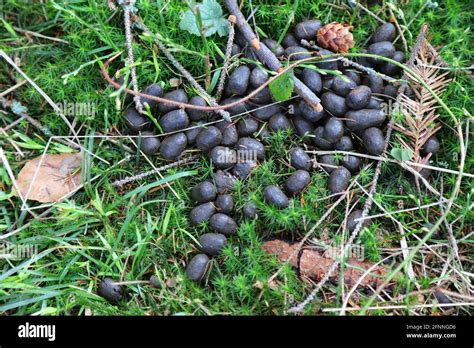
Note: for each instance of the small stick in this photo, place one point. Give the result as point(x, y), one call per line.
point(449, 228)
point(399, 298)
point(14, 123)
point(405, 45)
point(266, 56)
point(46, 131)
point(385, 159)
point(375, 308)
point(131, 282)
point(18, 150)
point(128, 38)
point(40, 35)
point(437, 57)
point(228, 52)
point(8, 169)
point(40, 91)
point(369, 12)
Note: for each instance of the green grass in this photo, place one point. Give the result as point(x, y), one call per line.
point(138, 231)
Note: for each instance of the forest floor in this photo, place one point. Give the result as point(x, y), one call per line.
point(132, 232)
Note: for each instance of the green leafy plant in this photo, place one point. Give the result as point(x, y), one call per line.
point(212, 20)
point(282, 87)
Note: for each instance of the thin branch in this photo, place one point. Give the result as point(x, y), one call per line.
point(12, 88)
point(300, 307)
point(228, 52)
point(358, 66)
point(369, 12)
point(400, 31)
point(212, 101)
point(385, 159)
point(128, 39)
point(266, 56)
point(129, 179)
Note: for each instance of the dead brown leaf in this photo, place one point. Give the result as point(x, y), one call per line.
point(58, 176)
point(314, 265)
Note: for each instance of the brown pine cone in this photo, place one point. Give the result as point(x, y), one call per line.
point(336, 37)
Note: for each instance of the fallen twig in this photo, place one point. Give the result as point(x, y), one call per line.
point(228, 52)
point(216, 108)
point(129, 179)
point(12, 88)
point(127, 7)
point(377, 308)
point(43, 129)
point(29, 32)
point(266, 56)
point(389, 160)
point(369, 12)
point(212, 101)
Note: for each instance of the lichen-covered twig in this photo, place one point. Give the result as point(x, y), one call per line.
point(266, 56)
point(212, 101)
point(373, 188)
point(228, 52)
point(127, 8)
point(312, 262)
point(129, 179)
point(356, 65)
point(217, 107)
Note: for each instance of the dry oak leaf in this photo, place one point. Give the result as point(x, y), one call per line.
point(57, 176)
point(314, 265)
